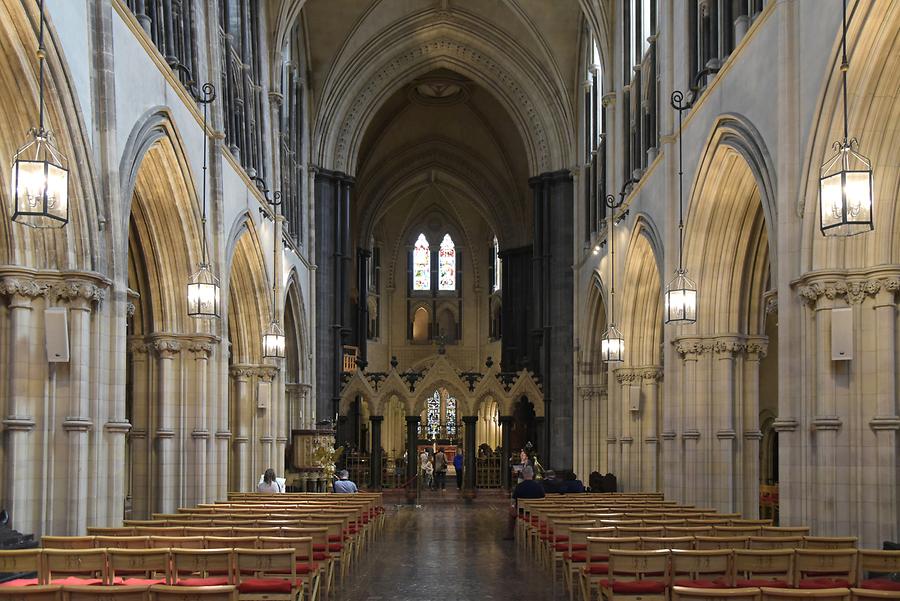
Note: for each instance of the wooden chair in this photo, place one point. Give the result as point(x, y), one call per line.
point(74, 566)
point(775, 542)
point(38, 592)
point(558, 548)
point(22, 561)
point(208, 531)
point(596, 567)
point(642, 531)
point(67, 542)
point(773, 568)
point(133, 567)
point(721, 542)
point(787, 594)
point(824, 568)
point(708, 522)
point(159, 530)
point(266, 574)
point(182, 542)
point(201, 567)
point(649, 543)
point(308, 570)
point(745, 531)
point(869, 594)
point(340, 553)
point(122, 542)
point(829, 542)
point(106, 592)
point(320, 554)
point(99, 531)
point(784, 531)
point(257, 532)
point(230, 542)
point(162, 592)
point(689, 531)
point(577, 555)
point(683, 593)
point(641, 574)
point(874, 565)
point(749, 522)
point(709, 568)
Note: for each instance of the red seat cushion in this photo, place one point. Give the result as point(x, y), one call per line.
point(265, 585)
point(597, 568)
point(824, 582)
point(703, 583)
point(335, 547)
point(635, 587)
point(76, 581)
point(211, 581)
point(306, 568)
point(758, 582)
point(20, 582)
point(880, 584)
point(321, 556)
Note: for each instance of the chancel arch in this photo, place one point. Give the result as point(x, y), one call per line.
point(299, 402)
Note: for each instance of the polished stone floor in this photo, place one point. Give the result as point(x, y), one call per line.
point(447, 551)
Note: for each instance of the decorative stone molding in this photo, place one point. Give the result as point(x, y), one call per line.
point(771, 299)
point(223, 435)
point(688, 346)
point(728, 347)
point(77, 424)
point(202, 348)
point(753, 435)
point(885, 422)
point(611, 440)
point(242, 372)
point(78, 290)
point(138, 434)
point(27, 288)
point(122, 427)
point(138, 345)
point(757, 348)
point(165, 433)
point(651, 440)
point(691, 435)
point(200, 434)
point(267, 439)
point(167, 348)
point(266, 373)
point(130, 308)
point(853, 285)
point(19, 423)
point(785, 425)
point(669, 435)
point(627, 440)
point(826, 422)
point(726, 435)
point(651, 374)
point(627, 375)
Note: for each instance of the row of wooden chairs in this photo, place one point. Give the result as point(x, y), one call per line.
point(622, 572)
point(156, 592)
point(680, 593)
point(253, 571)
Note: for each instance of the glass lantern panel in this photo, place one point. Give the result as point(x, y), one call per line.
point(57, 192)
point(859, 196)
point(203, 300)
point(30, 184)
point(273, 346)
point(612, 349)
point(832, 201)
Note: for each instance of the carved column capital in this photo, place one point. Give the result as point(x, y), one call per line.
point(651, 375)
point(242, 372)
point(626, 375)
point(78, 292)
point(689, 348)
point(202, 348)
point(167, 348)
point(23, 288)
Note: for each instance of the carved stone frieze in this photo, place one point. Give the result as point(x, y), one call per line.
point(14, 286)
point(167, 347)
point(78, 290)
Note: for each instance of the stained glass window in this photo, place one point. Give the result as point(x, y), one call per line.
point(451, 416)
point(421, 264)
point(447, 264)
point(433, 417)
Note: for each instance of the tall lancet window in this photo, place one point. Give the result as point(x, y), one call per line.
point(422, 264)
point(447, 264)
point(433, 417)
point(498, 266)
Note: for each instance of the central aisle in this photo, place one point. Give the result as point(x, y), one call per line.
point(448, 551)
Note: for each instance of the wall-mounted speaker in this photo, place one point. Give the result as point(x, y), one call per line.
point(842, 334)
point(56, 332)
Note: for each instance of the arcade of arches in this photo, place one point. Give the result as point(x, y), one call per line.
point(414, 193)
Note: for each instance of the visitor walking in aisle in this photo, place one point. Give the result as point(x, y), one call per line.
point(458, 466)
point(440, 470)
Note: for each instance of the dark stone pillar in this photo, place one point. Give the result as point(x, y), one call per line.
point(515, 290)
point(505, 443)
point(375, 454)
point(363, 256)
point(332, 257)
point(469, 462)
point(552, 313)
point(541, 441)
point(412, 455)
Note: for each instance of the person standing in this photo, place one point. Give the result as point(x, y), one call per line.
point(440, 470)
point(428, 473)
point(458, 466)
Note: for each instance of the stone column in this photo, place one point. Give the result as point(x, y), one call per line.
point(886, 422)
point(471, 424)
point(650, 427)
point(756, 350)
point(77, 423)
point(200, 432)
point(376, 457)
point(139, 438)
point(722, 468)
point(506, 443)
point(690, 352)
point(21, 484)
point(267, 392)
point(241, 464)
point(167, 459)
point(552, 311)
point(826, 423)
point(625, 376)
point(412, 456)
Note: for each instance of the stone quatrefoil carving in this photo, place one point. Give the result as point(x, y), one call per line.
point(382, 79)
